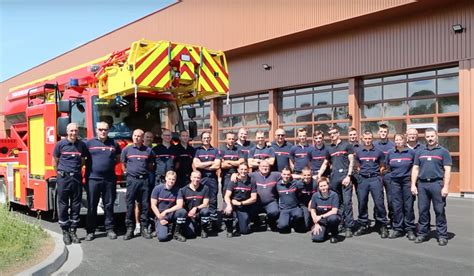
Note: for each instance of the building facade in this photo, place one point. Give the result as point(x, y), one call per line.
point(314, 64)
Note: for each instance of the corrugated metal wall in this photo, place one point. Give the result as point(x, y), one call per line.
point(421, 40)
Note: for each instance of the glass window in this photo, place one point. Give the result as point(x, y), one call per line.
point(448, 85)
point(371, 81)
point(395, 109)
point(322, 87)
point(448, 104)
point(288, 102)
point(421, 120)
point(290, 131)
point(421, 88)
point(262, 118)
point(342, 127)
point(370, 126)
point(303, 90)
point(396, 126)
point(341, 97)
point(251, 106)
point(451, 143)
point(395, 78)
point(451, 70)
point(373, 93)
point(394, 91)
point(455, 167)
point(341, 112)
point(322, 114)
point(324, 98)
point(304, 115)
point(287, 117)
point(263, 105)
point(251, 119)
point(237, 108)
point(304, 101)
point(372, 111)
point(448, 124)
point(341, 85)
point(421, 107)
point(421, 74)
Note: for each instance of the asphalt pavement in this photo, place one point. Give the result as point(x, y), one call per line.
point(269, 253)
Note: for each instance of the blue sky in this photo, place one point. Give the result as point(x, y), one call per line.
point(34, 31)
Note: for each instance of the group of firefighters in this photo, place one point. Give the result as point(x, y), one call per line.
point(305, 187)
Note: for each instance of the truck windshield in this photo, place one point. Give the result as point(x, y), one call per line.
point(123, 119)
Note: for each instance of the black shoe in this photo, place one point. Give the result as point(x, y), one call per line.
point(411, 236)
point(111, 234)
point(395, 234)
point(204, 234)
point(361, 231)
point(129, 234)
point(420, 239)
point(383, 232)
point(229, 235)
point(145, 232)
point(66, 237)
point(74, 237)
point(177, 234)
point(349, 233)
point(442, 241)
point(89, 237)
point(333, 240)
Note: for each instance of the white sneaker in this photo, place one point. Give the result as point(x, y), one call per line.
point(137, 229)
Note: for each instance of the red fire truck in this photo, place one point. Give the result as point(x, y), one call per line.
point(144, 86)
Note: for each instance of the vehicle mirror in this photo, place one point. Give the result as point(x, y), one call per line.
point(192, 129)
point(61, 125)
point(64, 106)
point(191, 112)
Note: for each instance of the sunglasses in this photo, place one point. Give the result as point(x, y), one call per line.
point(103, 129)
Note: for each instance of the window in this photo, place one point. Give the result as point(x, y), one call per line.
point(78, 116)
point(414, 98)
point(203, 119)
point(314, 108)
point(248, 111)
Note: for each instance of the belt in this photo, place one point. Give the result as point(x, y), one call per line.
point(429, 180)
point(145, 176)
point(369, 175)
point(63, 173)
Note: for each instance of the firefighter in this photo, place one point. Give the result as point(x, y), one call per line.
point(432, 172)
point(240, 198)
point(184, 163)
point(371, 162)
point(68, 159)
point(208, 160)
point(282, 148)
point(243, 144)
point(319, 154)
point(300, 153)
point(167, 210)
point(260, 152)
point(307, 187)
point(231, 159)
point(195, 199)
point(324, 208)
point(165, 156)
point(137, 160)
point(104, 154)
point(291, 214)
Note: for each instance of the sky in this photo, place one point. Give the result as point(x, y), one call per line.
point(35, 31)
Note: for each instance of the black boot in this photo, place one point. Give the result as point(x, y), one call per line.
point(66, 237)
point(74, 237)
point(129, 234)
point(177, 234)
point(145, 232)
point(383, 232)
point(230, 229)
point(206, 229)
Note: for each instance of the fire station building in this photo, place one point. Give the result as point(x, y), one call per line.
point(313, 64)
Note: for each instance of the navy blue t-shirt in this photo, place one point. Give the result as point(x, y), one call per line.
point(418, 147)
point(164, 159)
point(322, 205)
point(287, 194)
point(432, 162)
point(384, 146)
point(306, 191)
point(300, 155)
point(282, 155)
point(339, 156)
point(205, 155)
point(232, 154)
point(103, 157)
point(266, 186)
point(193, 198)
point(261, 153)
point(184, 156)
point(245, 148)
point(318, 155)
point(370, 160)
point(137, 160)
point(166, 198)
point(70, 155)
point(400, 162)
point(242, 189)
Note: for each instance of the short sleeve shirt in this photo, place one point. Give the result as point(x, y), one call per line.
point(306, 191)
point(193, 198)
point(400, 162)
point(384, 146)
point(369, 160)
point(322, 205)
point(266, 186)
point(287, 194)
point(242, 189)
point(232, 154)
point(339, 156)
point(432, 162)
point(282, 155)
point(184, 156)
point(245, 148)
point(166, 197)
point(318, 155)
point(205, 155)
point(261, 153)
point(164, 159)
point(300, 155)
point(103, 156)
point(70, 155)
point(137, 160)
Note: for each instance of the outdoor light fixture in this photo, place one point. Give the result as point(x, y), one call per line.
point(458, 28)
point(267, 67)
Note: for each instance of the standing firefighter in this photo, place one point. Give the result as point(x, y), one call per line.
point(69, 157)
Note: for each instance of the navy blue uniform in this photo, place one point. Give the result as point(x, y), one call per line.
point(417, 148)
point(209, 177)
point(305, 192)
point(193, 198)
point(322, 205)
point(166, 199)
point(164, 161)
point(101, 181)
point(184, 157)
point(370, 161)
point(267, 193)
point(317, 156)
point(261, 153)
point(69, 182)
point(241, 190)
point(232, 154)
point(300, 155)
point(137, 160)
point(339, 159)
point(430, 184)
point(385, 147)
point(245, 148)
point(401, 163)
point(282, 155)
point(290, 211)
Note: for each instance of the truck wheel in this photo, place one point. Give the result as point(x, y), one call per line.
point(3, 192)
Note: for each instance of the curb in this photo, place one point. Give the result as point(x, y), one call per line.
point(54, 261)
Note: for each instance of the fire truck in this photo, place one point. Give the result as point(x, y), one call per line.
point(145, 86)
